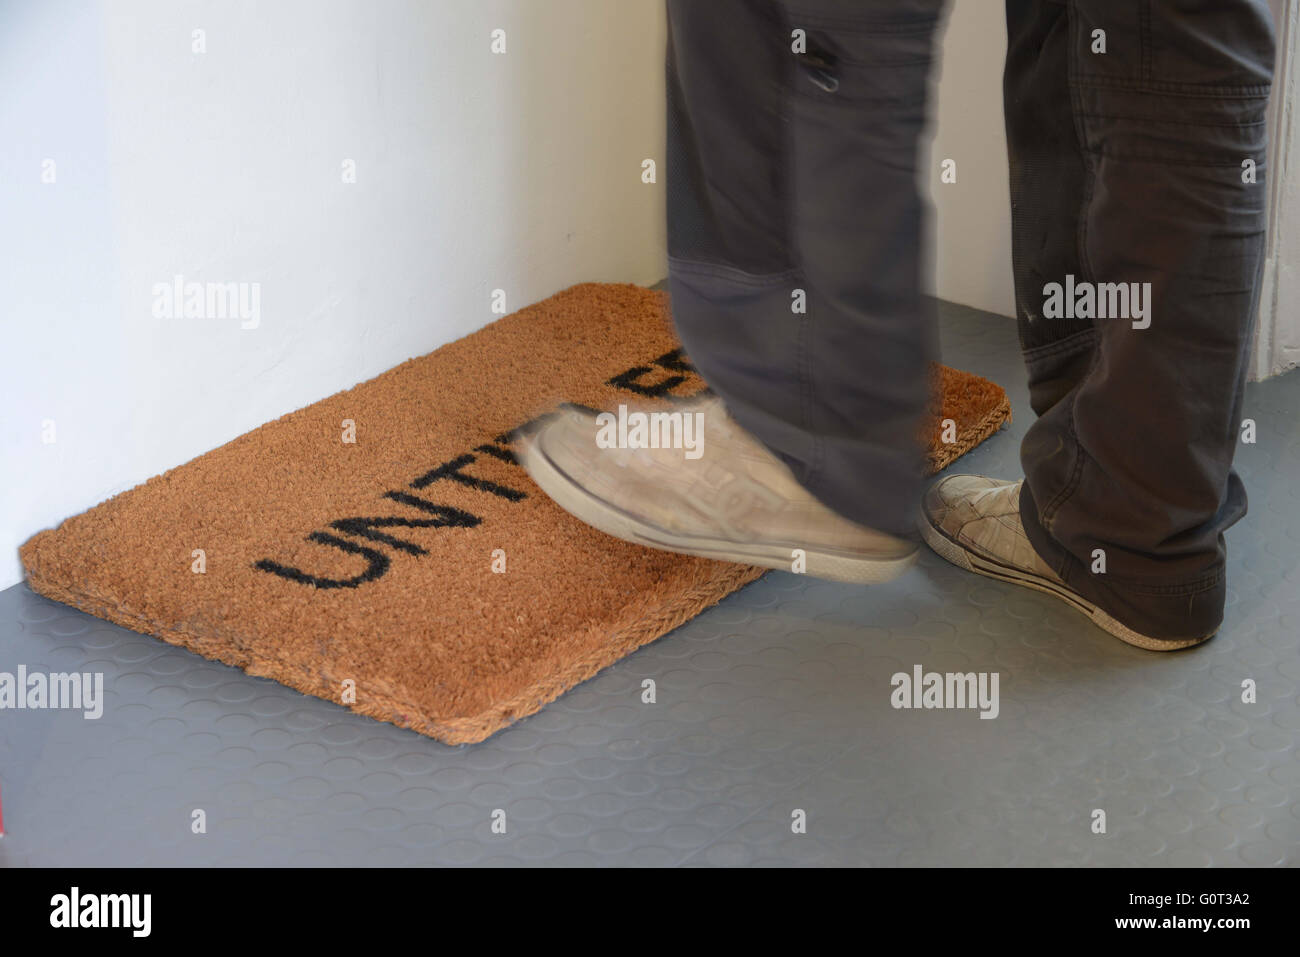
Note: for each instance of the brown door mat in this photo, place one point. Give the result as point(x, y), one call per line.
point(416, 574)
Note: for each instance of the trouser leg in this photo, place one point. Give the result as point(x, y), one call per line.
point(1134, 166)
point(795, 231)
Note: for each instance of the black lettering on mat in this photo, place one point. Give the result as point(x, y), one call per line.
point(674, 361)
point(452, 470)
point(377, 563)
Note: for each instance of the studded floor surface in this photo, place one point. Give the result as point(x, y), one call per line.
point(771, 709)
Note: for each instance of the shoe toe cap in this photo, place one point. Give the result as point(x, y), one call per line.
point(952, 490)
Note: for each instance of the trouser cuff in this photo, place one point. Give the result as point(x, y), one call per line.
point(1173, 610)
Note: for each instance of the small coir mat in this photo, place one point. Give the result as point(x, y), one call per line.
point(383, 549)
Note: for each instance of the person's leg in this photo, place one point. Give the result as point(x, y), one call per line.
point(1049, 180)
point(1137, 141)
point(795, 229)
point(1135, 461)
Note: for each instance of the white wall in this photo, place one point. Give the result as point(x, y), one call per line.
point(972, 217)
point(474, 171)
point(1277, 342)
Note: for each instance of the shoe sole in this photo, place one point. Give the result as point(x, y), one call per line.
point(612, 520)
point(963, 557)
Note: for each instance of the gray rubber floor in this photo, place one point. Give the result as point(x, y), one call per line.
point(775, 702)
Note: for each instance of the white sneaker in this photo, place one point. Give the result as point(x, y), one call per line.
point(737, 502)
point(974, 522)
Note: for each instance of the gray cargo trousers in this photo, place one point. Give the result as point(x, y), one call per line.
point(1136, 136)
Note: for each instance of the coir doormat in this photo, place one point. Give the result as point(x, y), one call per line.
point(383, 549)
